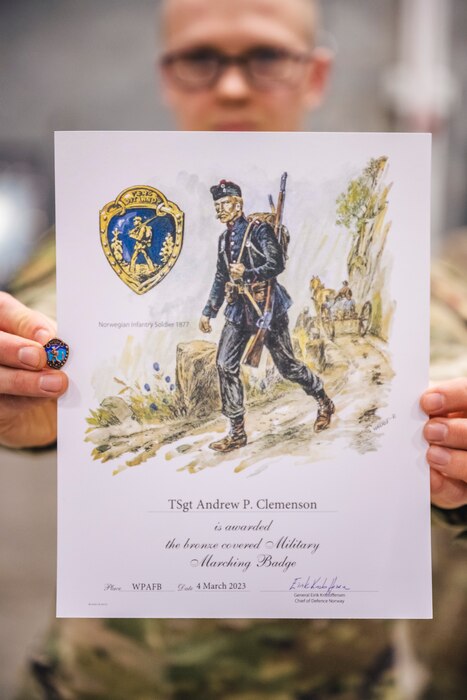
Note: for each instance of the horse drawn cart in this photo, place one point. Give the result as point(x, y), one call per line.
point(337, 312)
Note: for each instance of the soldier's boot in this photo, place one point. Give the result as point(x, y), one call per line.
point(234, 439)
point(325, 410)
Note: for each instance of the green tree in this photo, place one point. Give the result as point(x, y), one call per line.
point(360, 203)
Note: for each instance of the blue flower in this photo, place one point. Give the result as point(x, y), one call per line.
point(147, 387)
point(172, 387)
point(156, 366)
point(153, 407)
point(167, 379)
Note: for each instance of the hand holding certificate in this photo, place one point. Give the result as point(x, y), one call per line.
point(446, 433)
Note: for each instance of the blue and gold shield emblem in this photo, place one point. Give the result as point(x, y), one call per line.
point(142, 236)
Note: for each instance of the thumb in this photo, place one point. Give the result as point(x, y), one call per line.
point(18, 319)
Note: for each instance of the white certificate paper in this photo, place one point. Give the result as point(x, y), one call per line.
point(157, 515)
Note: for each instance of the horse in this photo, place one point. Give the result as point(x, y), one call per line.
point(320, 294)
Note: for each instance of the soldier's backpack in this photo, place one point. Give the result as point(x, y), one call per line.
point(283, 234)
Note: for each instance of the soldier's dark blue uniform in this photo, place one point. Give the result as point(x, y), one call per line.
point(263, 259)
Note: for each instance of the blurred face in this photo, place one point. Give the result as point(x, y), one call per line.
point(228, 209)
point(241, 65)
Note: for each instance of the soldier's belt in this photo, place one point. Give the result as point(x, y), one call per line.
point(259, 291)
point(255, 293)
point(231, 292)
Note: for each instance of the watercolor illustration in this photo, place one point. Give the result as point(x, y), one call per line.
point(280, 379)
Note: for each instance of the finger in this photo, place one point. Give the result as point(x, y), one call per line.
point(447, 432)
point(17, 352)
point(452, 463)
point(17, 319)
point(446, 492)
point(448, 397)
point(19, 382)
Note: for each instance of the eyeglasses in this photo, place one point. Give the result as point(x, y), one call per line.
point(263, 67)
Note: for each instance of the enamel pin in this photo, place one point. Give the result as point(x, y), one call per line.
point(57, 353)
point(142, 236)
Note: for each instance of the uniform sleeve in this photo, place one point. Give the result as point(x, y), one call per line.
point(267, 243)
point(217, 293)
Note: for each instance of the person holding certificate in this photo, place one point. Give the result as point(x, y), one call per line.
point(246, 65)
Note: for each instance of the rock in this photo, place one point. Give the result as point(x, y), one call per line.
point(116, 411)
point(197, 379)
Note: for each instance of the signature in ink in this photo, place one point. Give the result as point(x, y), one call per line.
point(326, 585)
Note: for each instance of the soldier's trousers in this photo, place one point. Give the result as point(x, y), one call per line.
point(232, 345)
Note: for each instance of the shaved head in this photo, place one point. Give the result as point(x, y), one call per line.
point(301, 15)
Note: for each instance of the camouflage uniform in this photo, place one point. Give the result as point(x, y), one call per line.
point(124, 659)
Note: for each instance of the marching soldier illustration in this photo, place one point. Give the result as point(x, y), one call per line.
point(251, 255)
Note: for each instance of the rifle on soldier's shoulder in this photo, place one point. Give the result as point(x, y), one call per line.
point(254, 348)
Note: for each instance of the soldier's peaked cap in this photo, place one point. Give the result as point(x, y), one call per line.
point(225, 189)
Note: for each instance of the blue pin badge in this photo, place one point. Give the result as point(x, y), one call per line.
point(57, 353)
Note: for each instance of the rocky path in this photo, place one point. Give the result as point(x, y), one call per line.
point(358, 382)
